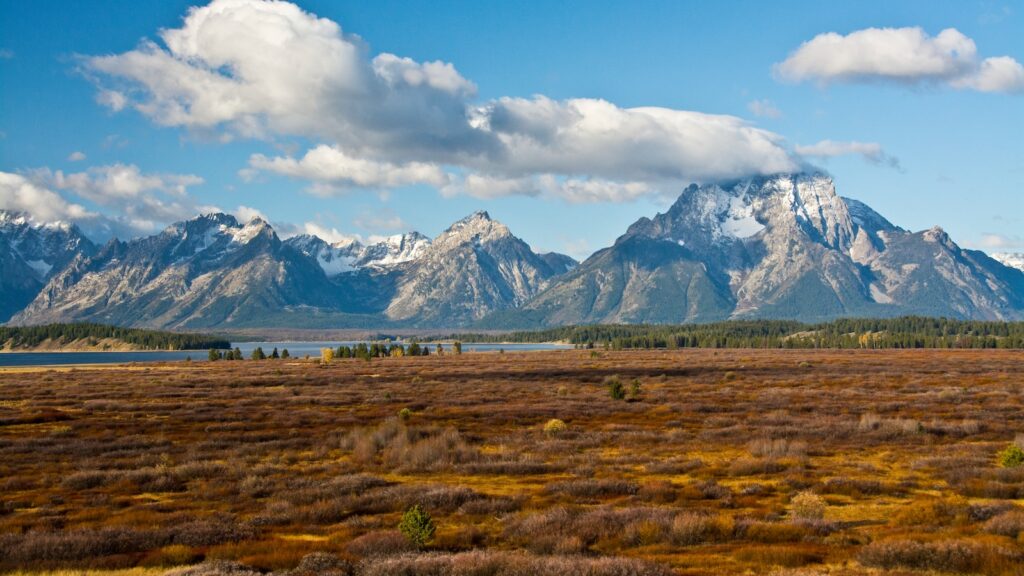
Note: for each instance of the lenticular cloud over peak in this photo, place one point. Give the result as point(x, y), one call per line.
point(267, 70)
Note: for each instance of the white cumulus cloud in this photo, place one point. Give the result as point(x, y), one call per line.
point(76, 156)
point(907, 55)
point(270, 70)
point(138, 202)
point(332, 169)
point(330, 234)
point(19, 194)
point(247, 213)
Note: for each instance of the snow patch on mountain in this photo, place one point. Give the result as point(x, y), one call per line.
point(1011, 259)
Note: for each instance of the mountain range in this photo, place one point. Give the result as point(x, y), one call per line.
point(781, 246)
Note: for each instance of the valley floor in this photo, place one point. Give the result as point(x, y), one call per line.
point(714, 462)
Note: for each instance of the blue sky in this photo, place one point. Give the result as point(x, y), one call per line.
point(924, 140)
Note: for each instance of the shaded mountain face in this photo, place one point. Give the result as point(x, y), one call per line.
point(472, 269)
point(30, 254)
point(784, 246)
point(207, 272)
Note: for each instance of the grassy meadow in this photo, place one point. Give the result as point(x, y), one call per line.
point(579, 462)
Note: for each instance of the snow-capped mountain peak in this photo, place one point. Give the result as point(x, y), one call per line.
point(349, 255)
point(31, 252)
point(1011, 259)
point(394, 250)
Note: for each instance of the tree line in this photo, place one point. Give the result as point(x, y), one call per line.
point(31, 336)
point(871, 333)
point(362, 350)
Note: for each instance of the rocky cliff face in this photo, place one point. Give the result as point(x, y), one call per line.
point(473, 268)
point(785, 246)
point(207, 272)
point(213, 271)
point(782, 246)
point(30, 254)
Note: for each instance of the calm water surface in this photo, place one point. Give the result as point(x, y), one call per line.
point(296, 349)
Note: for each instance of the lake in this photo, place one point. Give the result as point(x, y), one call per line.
point(296, 349)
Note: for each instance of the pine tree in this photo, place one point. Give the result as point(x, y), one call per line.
point(417, 526)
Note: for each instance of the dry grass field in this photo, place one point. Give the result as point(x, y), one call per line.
point(714, 462)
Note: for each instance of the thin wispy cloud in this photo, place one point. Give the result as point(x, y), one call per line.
point(764, 109)
point(870, 151)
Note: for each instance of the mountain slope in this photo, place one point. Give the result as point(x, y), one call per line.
point(206, 272)
point(782, 246)
point(473, 268)
point(30, 254)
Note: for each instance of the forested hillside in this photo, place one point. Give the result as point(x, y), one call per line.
point(28, 337)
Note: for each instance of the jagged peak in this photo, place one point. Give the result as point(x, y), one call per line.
point(478, 215)
point(766, 184)
point(205, 220)
point(397, 239)
point(22, 218)
point(478, 225)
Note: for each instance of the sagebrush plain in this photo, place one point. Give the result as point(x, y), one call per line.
point(694, 462)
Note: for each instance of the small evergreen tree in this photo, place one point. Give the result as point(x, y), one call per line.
point(258, 354)
point(457, 346)
point(213, 355)
point(440, 349)
point(275, 355)
point(417, 526)
point(615, 388)
point(285, 354)
point(237, 354)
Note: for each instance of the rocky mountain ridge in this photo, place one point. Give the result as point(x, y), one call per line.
point(781, 246)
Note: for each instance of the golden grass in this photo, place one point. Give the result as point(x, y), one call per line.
point(266, 462)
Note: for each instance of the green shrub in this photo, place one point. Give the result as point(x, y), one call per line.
point(404, 414)
point(1011, 457)
point(417, 526)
